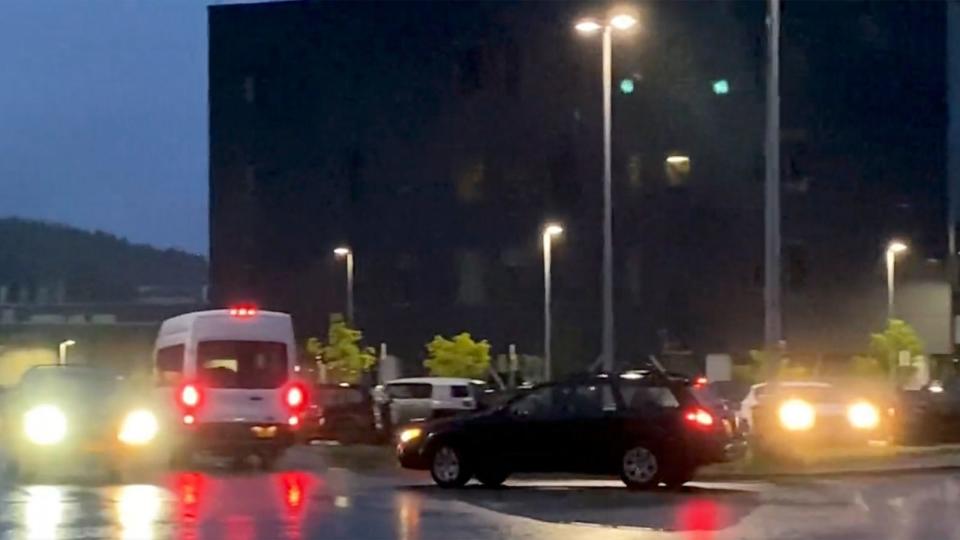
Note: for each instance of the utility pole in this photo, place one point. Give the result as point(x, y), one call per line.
point(773, 317)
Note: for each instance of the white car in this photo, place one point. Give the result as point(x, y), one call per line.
point(757, 391)
point(422, 398)
point(229, 377)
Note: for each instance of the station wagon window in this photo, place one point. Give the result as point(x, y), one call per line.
point(410, 390)
point(536, 404)
point(242, 364)
point(169, 365)
point(641, 397)
point(459, 391)
point(586, 400)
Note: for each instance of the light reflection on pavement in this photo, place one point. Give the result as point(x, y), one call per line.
point(334, 504)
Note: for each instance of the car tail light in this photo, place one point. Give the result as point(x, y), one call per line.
point(700, 382)
point(700, 417)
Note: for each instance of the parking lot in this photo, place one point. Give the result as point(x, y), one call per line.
point(310, 497)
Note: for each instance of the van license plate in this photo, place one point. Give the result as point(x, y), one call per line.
point(264, 432)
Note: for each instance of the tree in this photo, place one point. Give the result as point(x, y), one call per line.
point(899, 336)
point(458, 357)
point(342, 355)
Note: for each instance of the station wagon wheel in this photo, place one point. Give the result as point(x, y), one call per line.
point(640, 468)
point(448, 467)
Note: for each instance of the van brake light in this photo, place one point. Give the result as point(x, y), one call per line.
point(295, 397)
point(190, 396)
point(243, 312)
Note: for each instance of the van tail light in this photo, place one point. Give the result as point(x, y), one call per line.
point(295, 397)
point(700, 418)
point(189, 399)
point(190, 396)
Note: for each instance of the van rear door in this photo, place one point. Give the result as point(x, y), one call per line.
point(242, 381)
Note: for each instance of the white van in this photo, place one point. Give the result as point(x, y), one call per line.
point(423, 398)
point(230, 376)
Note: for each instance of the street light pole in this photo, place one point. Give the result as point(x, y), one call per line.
point(895, 247)
point(63, 350)
point(608, 316)
point(616, 22)
point(548, 233)
point(773, 318)
point(347, 254)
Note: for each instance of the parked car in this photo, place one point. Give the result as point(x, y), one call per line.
point(339, 412)
point(645, 426)
point(424, 398)
point(806, 414)
point(931, 414)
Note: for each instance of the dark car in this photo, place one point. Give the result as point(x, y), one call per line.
point(60, 416)
point(931, 414)
point(340, 412)
point(646, 427)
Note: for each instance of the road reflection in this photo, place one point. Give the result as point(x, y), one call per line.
point(43, 512)
point(138, 511)
point(408, 510)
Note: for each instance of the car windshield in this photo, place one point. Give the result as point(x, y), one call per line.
point(70, 379)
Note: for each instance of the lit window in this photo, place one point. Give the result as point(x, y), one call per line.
point(677, 169)
point(471, 291)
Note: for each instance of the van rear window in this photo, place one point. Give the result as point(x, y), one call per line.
point(242, 364)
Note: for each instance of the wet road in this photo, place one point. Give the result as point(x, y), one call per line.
point(308, 500)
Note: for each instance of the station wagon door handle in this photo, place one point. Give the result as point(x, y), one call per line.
point(256, 398)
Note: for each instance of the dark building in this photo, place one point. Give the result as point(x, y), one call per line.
point(436, 139)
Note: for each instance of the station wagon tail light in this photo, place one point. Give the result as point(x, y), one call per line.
point(700, 417)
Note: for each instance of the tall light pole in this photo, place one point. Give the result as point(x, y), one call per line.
point(63, 350)
point(773, 317)
point(549, 231)
point(347, 254)
point(589, 26)
point(894, 248)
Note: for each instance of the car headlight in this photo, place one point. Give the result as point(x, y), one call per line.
point(797, 415)
point(863, 415)
point(45, 425)
point(408, 435)
point(139, 427)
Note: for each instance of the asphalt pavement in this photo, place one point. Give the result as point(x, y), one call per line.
point(308, 499)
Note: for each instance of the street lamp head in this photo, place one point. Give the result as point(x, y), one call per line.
point(588, 26)
point(341, 251)
point(69, 343)
point(623, 21)
point(552, 229)
point(896, 246)
point(677, 159)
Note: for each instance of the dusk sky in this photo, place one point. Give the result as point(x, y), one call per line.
point(104, 119)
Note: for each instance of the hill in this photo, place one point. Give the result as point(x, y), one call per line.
point(56, 260)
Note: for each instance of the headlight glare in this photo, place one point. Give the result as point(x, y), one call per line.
point(863, 415)
point(45, 425)
point(139, 427)
point(408, 435)
point(797, 415)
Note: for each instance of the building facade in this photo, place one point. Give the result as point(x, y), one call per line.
point(436, 139)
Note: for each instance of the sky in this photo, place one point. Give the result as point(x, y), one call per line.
point(103, 116)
